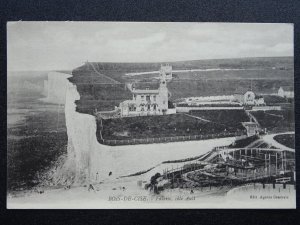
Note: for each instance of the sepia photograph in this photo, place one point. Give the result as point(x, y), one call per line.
point(150, 115)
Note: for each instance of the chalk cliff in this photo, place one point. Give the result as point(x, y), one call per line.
point(90, 161)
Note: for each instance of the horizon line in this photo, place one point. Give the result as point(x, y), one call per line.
point(247, 57)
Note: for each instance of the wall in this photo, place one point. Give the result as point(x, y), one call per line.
point(187, 109)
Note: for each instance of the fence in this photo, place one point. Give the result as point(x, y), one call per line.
point(265, 108)
point(167, 139)
point(187, 109)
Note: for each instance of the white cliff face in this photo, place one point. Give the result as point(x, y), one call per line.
point(55, 88)
point(88, 161)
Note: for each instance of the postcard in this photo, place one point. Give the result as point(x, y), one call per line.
point(150, 115)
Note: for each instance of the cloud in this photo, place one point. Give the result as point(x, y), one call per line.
point(65, 45)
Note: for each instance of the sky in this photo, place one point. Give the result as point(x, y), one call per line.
point(67, 45)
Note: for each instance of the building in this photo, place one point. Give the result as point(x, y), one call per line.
point(259, 100)
point(251, 127)
point(148, 99)
point(167, 69)
point(248, 98)
point(286, 92)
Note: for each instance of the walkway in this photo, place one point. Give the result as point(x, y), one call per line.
point(269, 138)
point(252, 117)
point(114, 81)
point(197, 117)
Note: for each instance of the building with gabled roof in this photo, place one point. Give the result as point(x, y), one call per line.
point(148, 98)
point(286, 92)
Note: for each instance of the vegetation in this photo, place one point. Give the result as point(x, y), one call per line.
point(266, 74)
point(276, 121)
point(159, 126)
point(242, 143)
point(230, 119)
point(105, 89)
point(274, 100)
point(286, 140)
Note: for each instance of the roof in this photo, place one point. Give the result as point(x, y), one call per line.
point(145, 91)
point(258, 96)
point(146, 85)
point(287, 88)
point(242, 92)
point(127, 102)
point(249, 124)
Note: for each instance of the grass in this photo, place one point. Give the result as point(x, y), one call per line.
point(276, 121)
point(274, 100)
point(231, 119)
point(204, 83)
point(158, 126)
point(242, 143)
point(286, 140)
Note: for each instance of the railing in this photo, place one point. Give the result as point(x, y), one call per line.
point(283, 180)
point(167, 139)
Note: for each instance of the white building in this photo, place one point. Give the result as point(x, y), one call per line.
point(149, 101)
point(249, 98)
point(251, 127)
point(167, 69)
point(286, 92)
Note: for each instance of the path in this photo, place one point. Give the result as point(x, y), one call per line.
point(269, 138)
point(197, 117)
point(115, 81)
point(252, 117)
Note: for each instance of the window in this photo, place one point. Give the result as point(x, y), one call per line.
point(142, 97)
point(148, 98)
point(134, 96)
point(132, 108)
point(148, 108)
point(154, 107)
point(154, 97)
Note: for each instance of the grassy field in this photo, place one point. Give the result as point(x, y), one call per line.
point(103, 97)
point(159, 126)
point(264, 75)
point(267, 75)
point(286, 140)
point(231, 119)
point(276, 121)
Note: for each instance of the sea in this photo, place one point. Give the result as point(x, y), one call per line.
point(36, 131)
